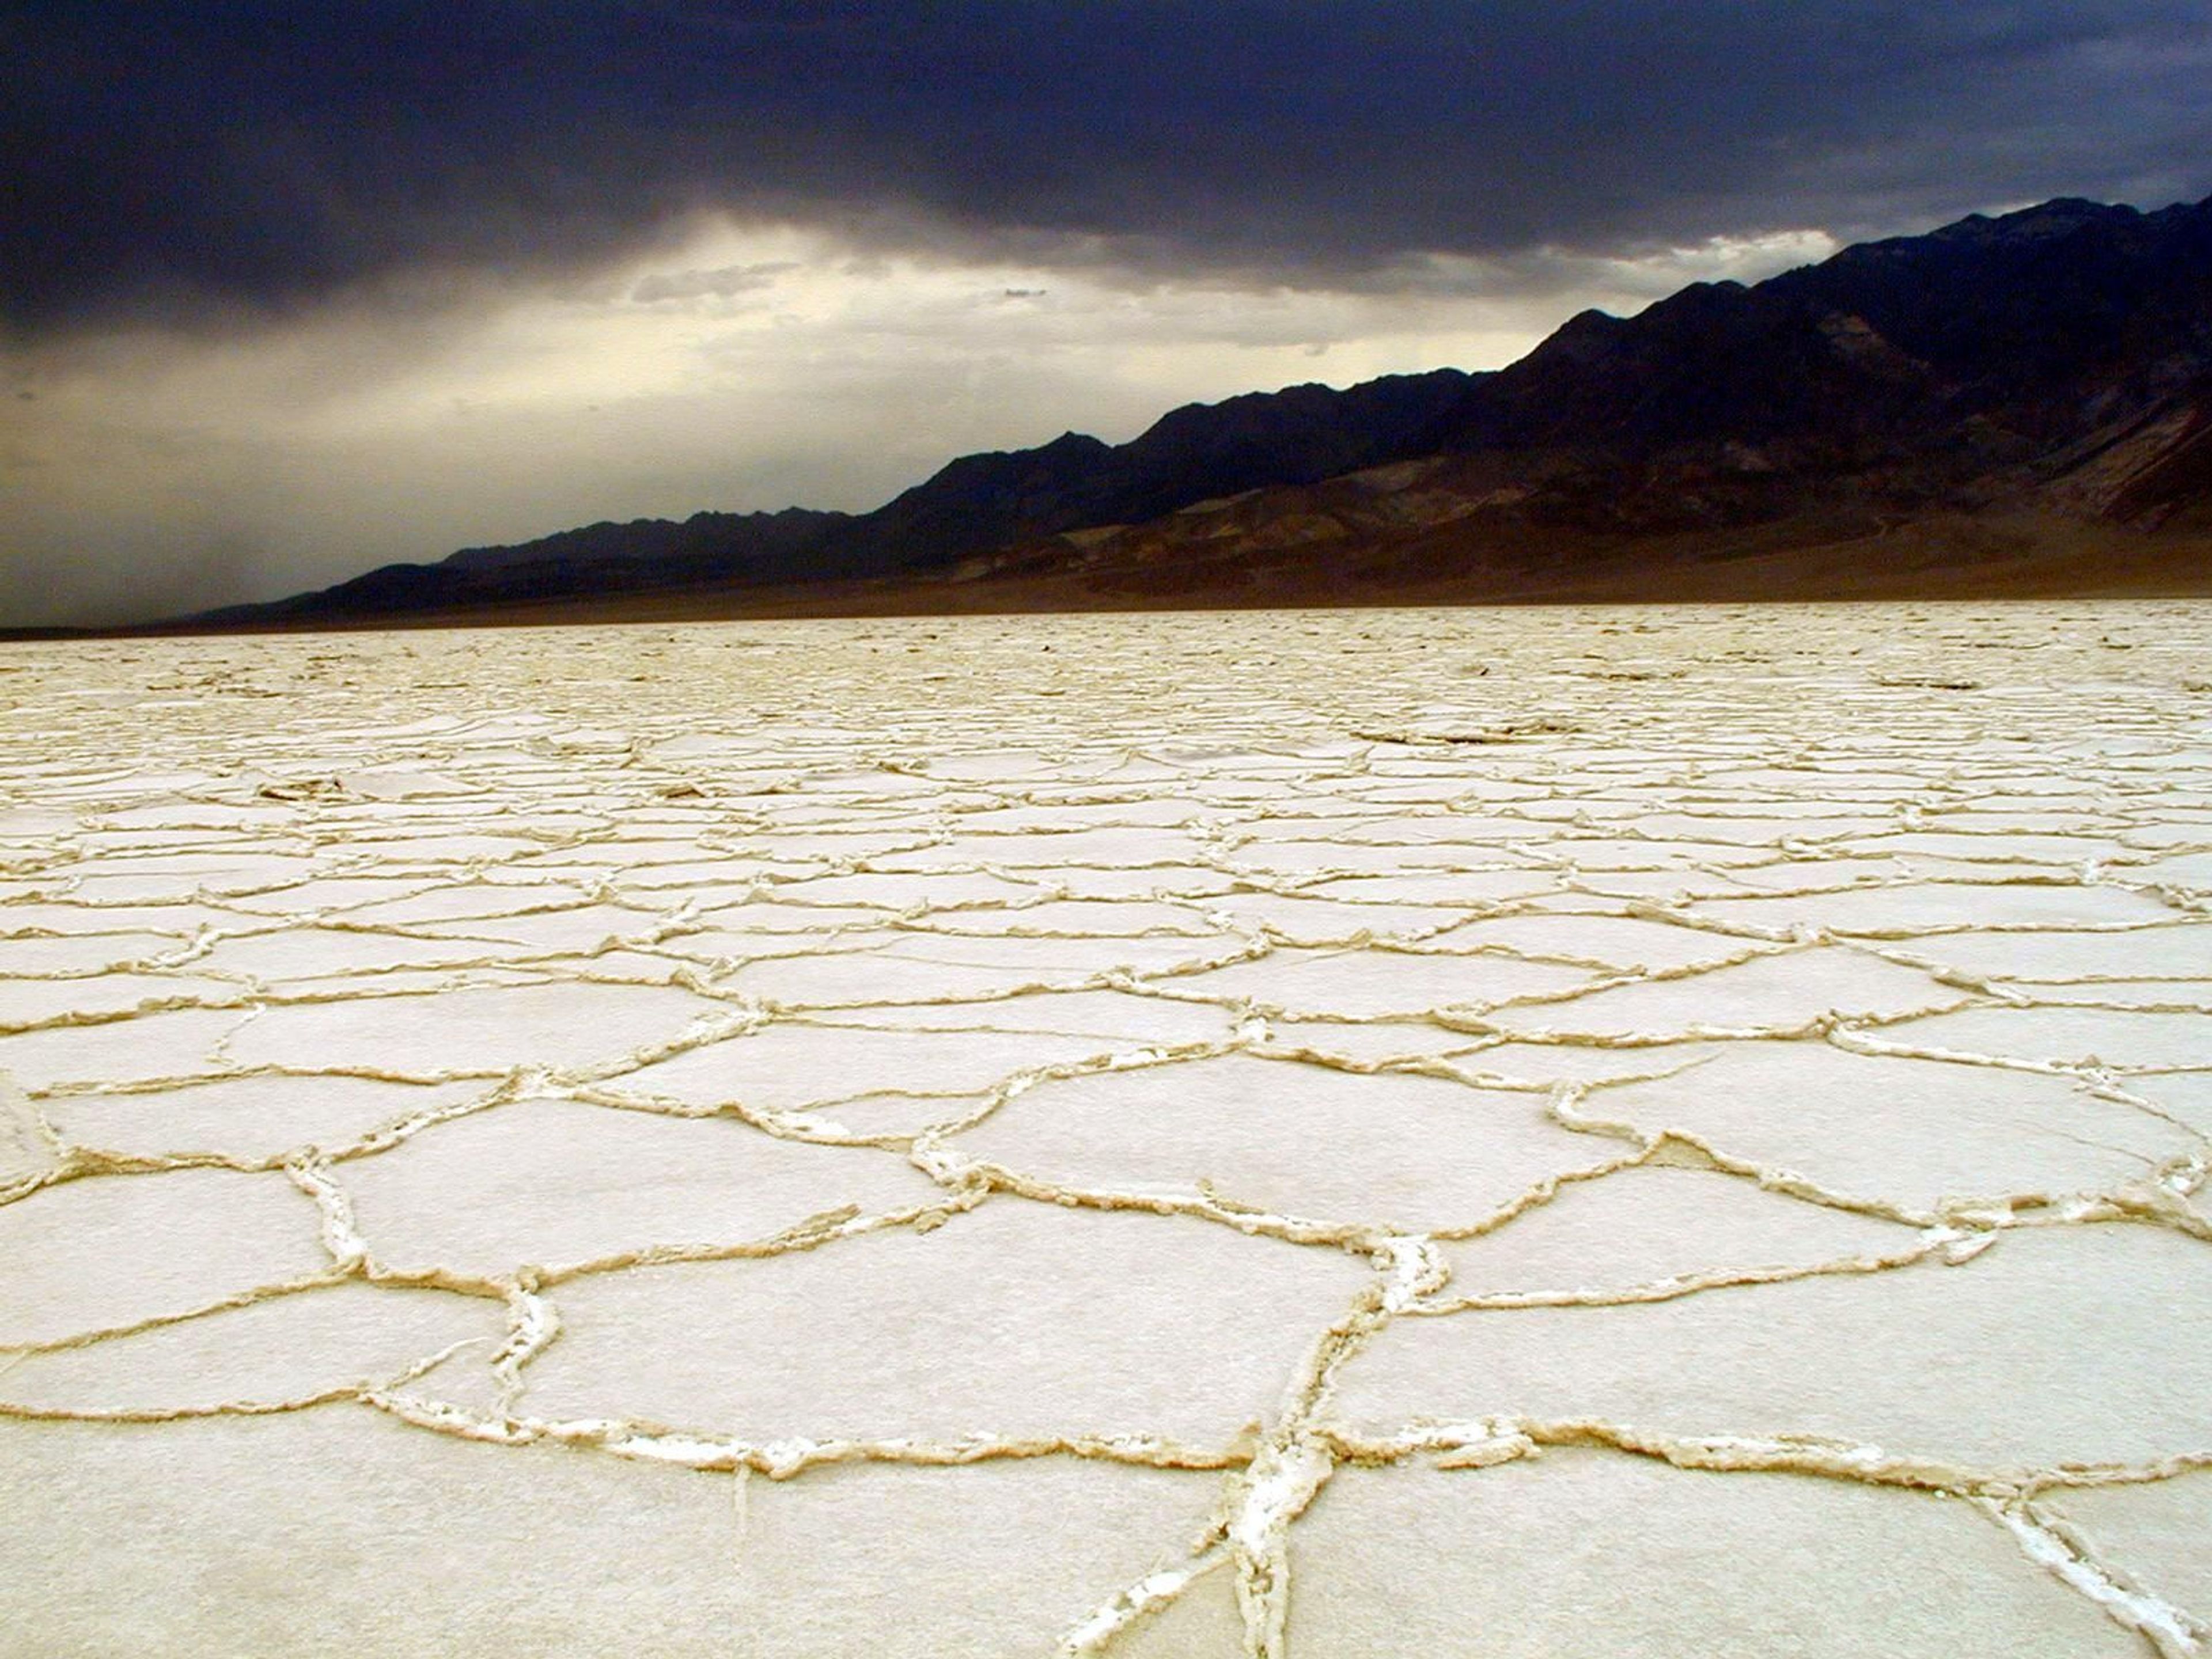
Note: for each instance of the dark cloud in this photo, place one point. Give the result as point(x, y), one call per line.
point(187, 158)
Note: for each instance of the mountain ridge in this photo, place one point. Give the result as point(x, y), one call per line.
point(2055, 360)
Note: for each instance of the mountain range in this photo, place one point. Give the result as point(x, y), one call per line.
point(2019, 404)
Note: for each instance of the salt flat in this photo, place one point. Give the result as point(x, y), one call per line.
point(1544, 1133)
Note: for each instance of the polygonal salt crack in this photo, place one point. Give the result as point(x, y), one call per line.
point(1263, 1062)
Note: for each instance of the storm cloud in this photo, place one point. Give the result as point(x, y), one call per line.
point(290, 289)
point(188, 159)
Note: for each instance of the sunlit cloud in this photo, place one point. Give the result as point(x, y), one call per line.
point(742, 367)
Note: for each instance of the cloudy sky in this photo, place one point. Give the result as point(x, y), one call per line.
point(289, 288)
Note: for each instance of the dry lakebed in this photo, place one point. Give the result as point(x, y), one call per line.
point(1523, 1133)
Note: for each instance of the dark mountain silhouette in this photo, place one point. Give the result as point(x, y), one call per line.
point(1994, 390)
point(1300, 435)
point(977, 503)
point(1920, 367)
point(709, 539)
point(644, 553)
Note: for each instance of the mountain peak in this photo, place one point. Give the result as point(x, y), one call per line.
point(2060, 216)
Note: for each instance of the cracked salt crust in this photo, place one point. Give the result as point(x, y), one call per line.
point(553, 1183)
point(2124, 1039)
point(1909, 1132)
point(1911, 1357)
point(773, 1139)
point(1660, 1227)
point(256, 1120)
point(1417, 1154)
point(482, 1031)
point(1575, 1552)
point(2159, 1530)
point(1018, 1320)
point(329, 1531)
point(101, 1253)
point(281, 1348)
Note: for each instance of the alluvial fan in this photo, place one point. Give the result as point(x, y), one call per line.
point(1533, 1132)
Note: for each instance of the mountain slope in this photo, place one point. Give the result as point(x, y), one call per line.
point(1924, 368)
point(1298, 435)
point(2052, 365)
point(597, 559)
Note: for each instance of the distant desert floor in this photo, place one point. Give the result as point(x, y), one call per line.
point(1524, 1132)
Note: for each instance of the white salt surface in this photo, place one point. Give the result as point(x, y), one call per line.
point(1229, 1135)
